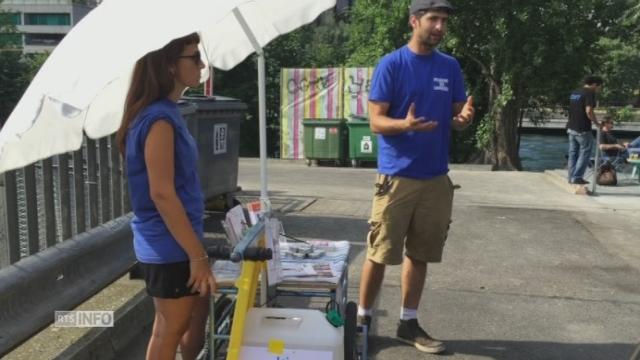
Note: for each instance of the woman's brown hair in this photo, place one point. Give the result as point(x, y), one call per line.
point(152, 80)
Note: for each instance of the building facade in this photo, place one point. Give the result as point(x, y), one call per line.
point(42, 24)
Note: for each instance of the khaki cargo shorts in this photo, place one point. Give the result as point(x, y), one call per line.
point(409, 217)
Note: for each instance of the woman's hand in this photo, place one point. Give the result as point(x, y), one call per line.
point(201, 277)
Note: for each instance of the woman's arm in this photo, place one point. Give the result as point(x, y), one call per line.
point(159, 158)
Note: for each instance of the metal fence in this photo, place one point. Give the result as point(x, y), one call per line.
point(59, 197)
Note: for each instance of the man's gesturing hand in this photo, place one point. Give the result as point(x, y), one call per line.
point(465, 117)
point(412, 123)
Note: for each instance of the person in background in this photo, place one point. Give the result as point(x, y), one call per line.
point(582, 104)
point(168, 205)
point(417, 96)
point(614, 151)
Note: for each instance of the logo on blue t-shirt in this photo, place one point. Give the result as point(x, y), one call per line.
point(440, 84)
point(575, 97)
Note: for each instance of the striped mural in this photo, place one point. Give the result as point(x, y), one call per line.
point(356, 90)
point(306, 94)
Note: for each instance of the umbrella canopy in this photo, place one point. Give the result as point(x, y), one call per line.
point(83, 84)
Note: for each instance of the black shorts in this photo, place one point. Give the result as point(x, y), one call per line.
point(167, 281)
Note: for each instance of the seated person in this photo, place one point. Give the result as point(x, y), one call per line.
point(609, 145)
point(634, 146)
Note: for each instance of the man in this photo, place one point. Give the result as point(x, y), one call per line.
point(609, 144)
point(581, 116)
point(417, 95)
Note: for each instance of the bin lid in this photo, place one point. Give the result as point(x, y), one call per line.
point(214, 102)
point(186, 108)
point(320, 121)
point(354, 117)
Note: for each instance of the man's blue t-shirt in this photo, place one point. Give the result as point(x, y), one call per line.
point(433, 82)
point(153, 243)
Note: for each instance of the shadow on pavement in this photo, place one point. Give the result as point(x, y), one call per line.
point(522, 350)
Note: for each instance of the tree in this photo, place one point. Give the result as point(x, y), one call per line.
point(524, 54)
point(309, 46)
point(620, 59)
point(11, 66)
point(376, 27)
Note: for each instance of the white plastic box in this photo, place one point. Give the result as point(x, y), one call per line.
point(292, 334)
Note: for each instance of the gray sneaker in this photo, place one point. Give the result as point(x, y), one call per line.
point(364, 320)
point(411, 333)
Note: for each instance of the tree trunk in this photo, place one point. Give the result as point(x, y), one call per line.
point(506, 140)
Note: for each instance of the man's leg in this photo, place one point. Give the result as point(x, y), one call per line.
point(391, 210)
point(584, 154)
point(573, 157)
point(370, 283)
point(414, 273)
point(425, 243)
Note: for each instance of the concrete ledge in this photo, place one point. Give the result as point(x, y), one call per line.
point(561, 182)
point(471, 167)
point(60, 278)
point(131, 319)
point(133, 315)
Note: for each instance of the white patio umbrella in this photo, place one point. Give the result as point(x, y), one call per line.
point(82, 85)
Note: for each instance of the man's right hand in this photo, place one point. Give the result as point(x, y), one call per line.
point(412, 123)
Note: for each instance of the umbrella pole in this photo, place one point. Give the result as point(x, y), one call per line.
point(262, 112)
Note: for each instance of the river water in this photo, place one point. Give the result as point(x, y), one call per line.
point(543, 152)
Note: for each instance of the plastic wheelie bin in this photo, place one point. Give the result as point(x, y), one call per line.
point(215, 126)
point(325, 140)
point(363, 144)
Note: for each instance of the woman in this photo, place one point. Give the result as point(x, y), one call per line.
point(166, 197)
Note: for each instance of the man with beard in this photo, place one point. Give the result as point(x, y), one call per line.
point(417, 96)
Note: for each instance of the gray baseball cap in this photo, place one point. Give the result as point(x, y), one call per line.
point(417, 5)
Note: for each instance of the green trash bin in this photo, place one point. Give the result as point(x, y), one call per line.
point(325, 140)
point(363, 144)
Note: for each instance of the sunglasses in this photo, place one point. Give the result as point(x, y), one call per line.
point(195, 57)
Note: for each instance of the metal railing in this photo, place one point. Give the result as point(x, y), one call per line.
point(65, 221)
point(57, 198)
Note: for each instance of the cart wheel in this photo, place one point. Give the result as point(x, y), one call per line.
point(350, 329)
point(221, 306)
point(354, 163)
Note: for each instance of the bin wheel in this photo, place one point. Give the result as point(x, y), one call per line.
point(350, 331)
point(354, 163)
point(308, 162)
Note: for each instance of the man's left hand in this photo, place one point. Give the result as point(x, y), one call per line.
point(465, 117)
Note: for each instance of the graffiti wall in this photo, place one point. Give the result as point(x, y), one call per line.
point(356, 90)
point(332, 93)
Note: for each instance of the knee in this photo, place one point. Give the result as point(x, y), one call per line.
point(170, 332)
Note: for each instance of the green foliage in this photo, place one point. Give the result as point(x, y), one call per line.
point(485, 131)
point(620, 59)
point(622, 114)
point(376, 27)
point(313, 45)
point(526, 54)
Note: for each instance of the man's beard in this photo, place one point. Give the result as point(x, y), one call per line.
point(425, 42)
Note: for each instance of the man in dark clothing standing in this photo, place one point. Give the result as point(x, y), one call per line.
point(581, 116)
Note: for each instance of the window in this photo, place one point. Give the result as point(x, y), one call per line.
point(43, 39)
point(15, 18)
point(47, 19)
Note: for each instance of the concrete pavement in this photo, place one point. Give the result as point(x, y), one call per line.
point(530, 270)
